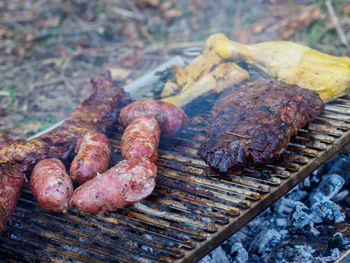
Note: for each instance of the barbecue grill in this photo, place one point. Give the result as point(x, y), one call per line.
point(191, 211)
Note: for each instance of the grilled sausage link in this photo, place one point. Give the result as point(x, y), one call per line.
point(171, 118)
point(11, 183)
point(51, 185)
point(128, 182)
point(141, 139)
point(93, 153)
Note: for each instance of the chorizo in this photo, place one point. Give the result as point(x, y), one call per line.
point(11, 182)
point(128, 182)
point(141, 139)
point(93, 153)
point(171, 118)
point(51, 185)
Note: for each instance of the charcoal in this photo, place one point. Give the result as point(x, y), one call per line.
point(316, 177)
point(327, 189)
point(267, 240)
point(258, 225)
point(347, 201)
point(216, 256)
point(327, 212)
point(307, 182)
point(206, 259)
point(301, 215)
point(313, 229)
point(297, 195)
point(340, 196)
point(337, 241)
point(334, 255)
point(285, 232)
point(254, 259)
point(238, 253)
point(281, 222)
point(239, 237)
point(339, 164)
point(284, 207)
point(303, 253)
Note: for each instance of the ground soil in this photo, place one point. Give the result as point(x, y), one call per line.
point(49, 49)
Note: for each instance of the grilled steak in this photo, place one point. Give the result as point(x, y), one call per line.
point(97, 113)
point(252, 124)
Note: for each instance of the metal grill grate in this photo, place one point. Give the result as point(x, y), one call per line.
point(190, 212)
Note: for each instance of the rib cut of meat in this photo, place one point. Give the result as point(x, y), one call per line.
point(97, 113)
point(252, 124)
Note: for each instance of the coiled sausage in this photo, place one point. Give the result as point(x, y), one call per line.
point(171, 118)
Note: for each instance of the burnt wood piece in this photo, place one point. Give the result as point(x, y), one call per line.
point(99, 112)
point(252, 124)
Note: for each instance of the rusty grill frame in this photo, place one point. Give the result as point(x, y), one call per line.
point(189, 214)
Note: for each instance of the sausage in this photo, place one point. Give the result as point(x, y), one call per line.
point(51, 185)
point(141, 139)
point(11, 182)
point(99, 112)
point(171, 118)
point(128, 182)
point(93, 153)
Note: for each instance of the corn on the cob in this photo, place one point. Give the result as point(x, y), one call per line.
point(294, 63)
point(207, 73)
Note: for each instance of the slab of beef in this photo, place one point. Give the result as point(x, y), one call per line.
point(252, 124)
point(97, 113)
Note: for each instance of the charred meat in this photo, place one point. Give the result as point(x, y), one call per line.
point(252, 124)
point(97, 113)
point(11, 182)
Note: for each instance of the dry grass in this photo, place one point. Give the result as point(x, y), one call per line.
point(49, 49)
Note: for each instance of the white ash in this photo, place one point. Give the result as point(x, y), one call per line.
point(340, 196)
point(300, 226)
point(326, 211)
point(327, 189)
point(218, 256)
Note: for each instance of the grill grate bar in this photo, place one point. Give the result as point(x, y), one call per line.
point(183, 196)
point(233, 187)
point(199, 235)
point(56, 233)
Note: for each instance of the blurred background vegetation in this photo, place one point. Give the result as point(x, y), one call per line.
point(49, 49)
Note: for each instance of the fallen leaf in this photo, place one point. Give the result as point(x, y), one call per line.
point(3, 136)
point(3, 112)
point(144, 3)
point(203, 4)
point(51, 22)
point(346, 9)
point(130, 30)
point(172, 14)
point(32, 126)
point(11, 117)
point(119, 73)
